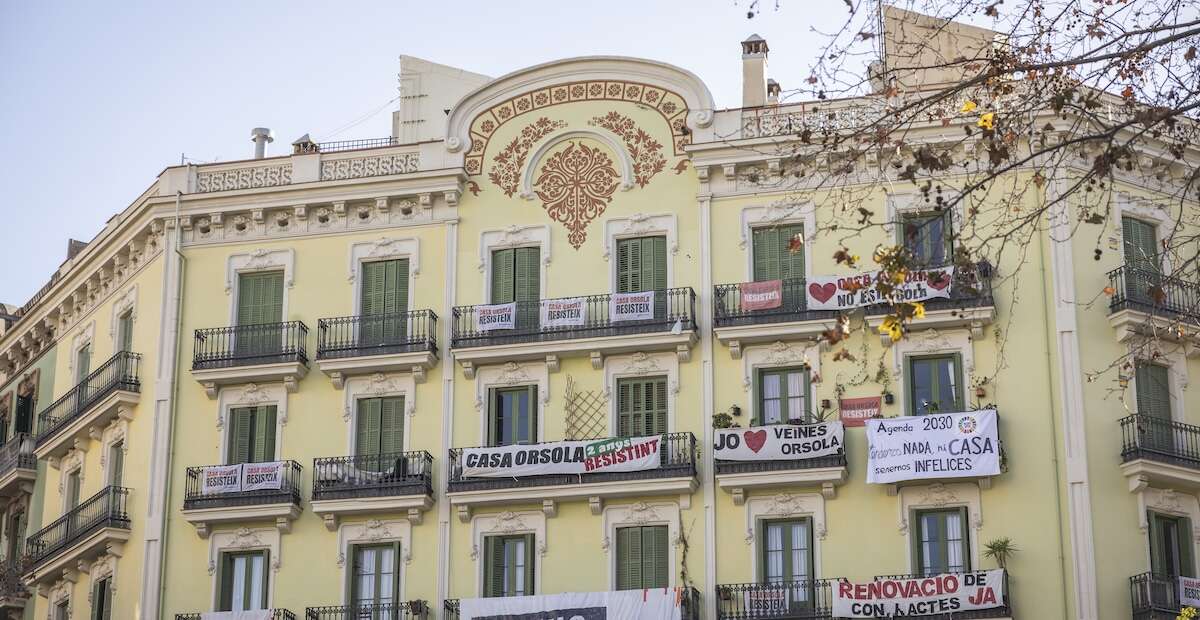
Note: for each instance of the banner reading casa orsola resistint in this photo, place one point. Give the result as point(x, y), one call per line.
point(845, 292)
point(563, 457)
point(651, 604)
point(778, 441)
point(946, 445)
point(920, 596)
point(563, 312)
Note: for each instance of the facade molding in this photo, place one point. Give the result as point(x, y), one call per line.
point(505, 523)
point(378, 385)
point(511, 374)
point(639, 364)
point(785, 505)
point(779, 213)
point(635, 515)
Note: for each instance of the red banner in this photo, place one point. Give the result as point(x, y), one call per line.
point(856, 411)
point(762, 295)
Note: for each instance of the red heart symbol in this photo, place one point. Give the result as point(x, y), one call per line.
point(938, 280)
point(755, 439)
point(821, 293)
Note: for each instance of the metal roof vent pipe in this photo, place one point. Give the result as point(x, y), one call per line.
point(261, 136)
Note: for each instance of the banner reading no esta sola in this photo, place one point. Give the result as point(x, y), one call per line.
point(563, 457)
point(845, 292)
point(950, 445)
point(921, 596)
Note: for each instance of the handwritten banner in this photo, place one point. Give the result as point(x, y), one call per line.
point(498, 316)
point(631, 306)
point(952, 445)
point(563, 457)
point(778, 442)
point(921, 596)
point(856, 411)
point(761, 295)
point(846, 292)
point(563, 312)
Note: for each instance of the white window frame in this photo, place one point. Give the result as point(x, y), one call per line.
point(785, 505)
point(71, 463)
point(1168, 502)
point(634, 515)
point(103, 567)
point(82, 338)
point(941, 496)
point(383, 249)
point(374, 532)
point(641, 225)
point(125, 303)
point(240, 540)
point(639, 365)
point(259, 260)
point(515, 236)
point(508, 523)
point(117, 431)
point(378, 385)
point(251, 395)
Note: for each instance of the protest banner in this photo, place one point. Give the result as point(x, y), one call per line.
point(950, 445)
point(856, 411)
point(497, 316)
point(919, 596)
point(778, 441)
point(631, 306)
point(762, 603)
point(563, 457)
point(648, 604)
point(257, 476)
point(847, 292)
point(761, 295)
point(220, 479)
point(1189, 592)
point(563, 312)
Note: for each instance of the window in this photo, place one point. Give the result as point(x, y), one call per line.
point(62, 610)
point(1140, 243)
point(641, 406)
point(1171, 545)
point(243, 581)
point(773, 258)
point(783, 396)
point(787, 557)
point(1153, 387)
point(642, 560)
point(508, 570)
point(71, 491)
point(83, 362)
point(251, 434)
point(15, 533)
point(116, 463)
point(384, 301)
point(641, 264)
point(379, 430)
point(125, 331)
point(374, 577)
point(513, 416)
point(260, 302)
point(102, 599)
point(927, 237)
point(933, 384)
point(24, 414)
point(516, 277)
point(941, 541)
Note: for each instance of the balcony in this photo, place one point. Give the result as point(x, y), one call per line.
point(689, 601)
point(791, 599)
point(98, 525)
point(18, 466)
point(739, 478)
point(405, 610)
point(356, 345)
point(281, 505)
point(263, 353)
point(735, 325)
point(274, 614)
point(673, 328)
point(13, 593)
point(1161, 453)
point(372, 483)
point(106, 393)
point(675, 475)
point(970, 305)
point(1154, 597)
point(1146, 302)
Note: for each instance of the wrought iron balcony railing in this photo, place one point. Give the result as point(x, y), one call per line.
point(108, 508)
point(1147, 290)
point(350, 145)
point(746, 467)
point(248, 345)
point(1157, 439)
point(119, 373)
point(275, 614)
point(194, 496)
point(383, 334)
point(402, 610)
point(810, 599)
point(1154, 597)
point(373, 475)
point(970, 288)
point(730, 311)
point(12, 584)
point(677, 459)
point(1004, 610)
point(671, 306)
point(689, 601)
point(17, 453)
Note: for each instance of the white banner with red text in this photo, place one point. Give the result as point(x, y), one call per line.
point(496, 316)
point(846, 292)
point(631, 306)
point(778, 442)
point(919, 596)
point(618, 454)
point(939, 445)
point(563, 312)
point(220, 479)
point(654, 604)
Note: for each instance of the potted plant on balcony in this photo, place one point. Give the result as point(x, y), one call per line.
point(999, 549)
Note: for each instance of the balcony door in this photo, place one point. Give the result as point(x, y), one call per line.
point(15, 536)
point(516, 277)
point(260, 303)
point(102, 600)
point(24, 414)
point(125, 331)
point(379, 434)
point(1152, 383)
point(508, 569)
point(1141, 258)
point(384, 303)
point(934, 384)
point(643, 557)
point(642, 266)
point(83, 362)
point(783, 396)
point(786, 559)
point(775, 260)
point(251, 434)
point(927, 237)
point(374, 578)
point(941, 544)
point(513, 416)
point(1171, 546)
point(243, 580)
point(641, 406)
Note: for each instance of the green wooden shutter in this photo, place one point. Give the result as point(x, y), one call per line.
point(125, 332)
point(1141, 242)
point(529, 574)
point(773, 258)
point(264, 434)
point(641, 406)
point(503, 276)
point(526, 274)
point(1187, 561)
point(625, 251)
point(624, 408)
point(367, 429)
point(266, 578)
point(117, 463)
point(260, 298)
point(965, 532)
point(629, 558)
point(656, 549)
point(494, 578)
point(83, 362)
point(225, 578)
point(1153, 391)
point(239, 434)
point(654, 263)
point(391, 425)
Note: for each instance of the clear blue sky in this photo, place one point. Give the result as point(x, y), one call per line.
point(96, 98)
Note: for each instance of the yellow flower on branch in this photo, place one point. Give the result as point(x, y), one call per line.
point(892, 327)
point(918, 310)
point(985, 120)
point(968, 106)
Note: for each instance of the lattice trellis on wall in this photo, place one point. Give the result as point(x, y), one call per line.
point(585, 411)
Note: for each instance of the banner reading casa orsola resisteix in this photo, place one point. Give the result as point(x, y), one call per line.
point(942, 445)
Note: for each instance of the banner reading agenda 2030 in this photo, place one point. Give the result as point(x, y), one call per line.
point(949, 445)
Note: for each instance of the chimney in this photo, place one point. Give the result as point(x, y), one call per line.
point(754, 72)
point(261, 136)
point(773, 92)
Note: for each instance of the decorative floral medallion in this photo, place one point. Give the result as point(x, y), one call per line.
point(508, 163)
point(575, 184)
point(645, 151)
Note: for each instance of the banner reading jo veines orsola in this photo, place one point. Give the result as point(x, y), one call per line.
point(919, 596)
point(945, 445)
point(563, 457)
point(652, 604)
point(778, 441)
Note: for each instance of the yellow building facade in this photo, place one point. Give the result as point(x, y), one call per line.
point(446, 377)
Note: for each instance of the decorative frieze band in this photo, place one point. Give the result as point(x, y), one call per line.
point(379, 165)
point(244, 178)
